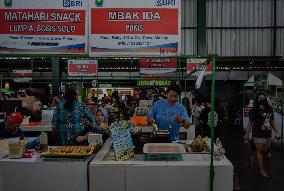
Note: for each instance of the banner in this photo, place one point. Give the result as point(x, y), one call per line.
point(22, 75)
point(199, 65)
point(43, 26)
point(82, 67)
point(135, 28)
point(158, 67)
point(153, 83)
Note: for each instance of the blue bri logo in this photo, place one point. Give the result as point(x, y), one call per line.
point(161, 3)
point(72, 3)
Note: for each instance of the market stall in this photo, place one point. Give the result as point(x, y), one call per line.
point(138, 174)
point(42, 174)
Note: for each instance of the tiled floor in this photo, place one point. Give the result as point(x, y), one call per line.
point(238, 154)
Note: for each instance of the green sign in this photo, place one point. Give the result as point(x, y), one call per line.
point(8, 2)
point(99, 3)
point(260, 82)
point(154, 83)
point(105, 85)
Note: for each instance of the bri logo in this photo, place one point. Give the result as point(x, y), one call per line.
point(161, 3)
point(72, 3)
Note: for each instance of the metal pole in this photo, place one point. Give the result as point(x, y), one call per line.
point(212, 171)
point(1, 87)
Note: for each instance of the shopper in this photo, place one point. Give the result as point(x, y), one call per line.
point(195, 117)
point(68, 119)
point(204, 119)
point(261, 122)
point(187, 105)
point(168, 114)
point(55, 101)
point(90, 104)
point(99, 127)
point(10, 129)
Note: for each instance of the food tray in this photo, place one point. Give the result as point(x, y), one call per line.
point(163, 148)
point(69, 151)
point(189, 150)
point(163, 157)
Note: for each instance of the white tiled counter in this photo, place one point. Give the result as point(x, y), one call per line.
point(193, 173)
point(45, 175)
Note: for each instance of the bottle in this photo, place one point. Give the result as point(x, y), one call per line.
point(43, 141)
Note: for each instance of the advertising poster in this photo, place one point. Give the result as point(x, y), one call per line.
point(43, 26)
point(82, 68)
point(199, 65)
point(158, 67)
point(135, 28)
point(22, 75)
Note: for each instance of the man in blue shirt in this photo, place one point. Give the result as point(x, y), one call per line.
point(168, 114)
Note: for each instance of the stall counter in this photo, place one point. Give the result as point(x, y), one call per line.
point(136, 174)
point(36, 127)
point(45, 175)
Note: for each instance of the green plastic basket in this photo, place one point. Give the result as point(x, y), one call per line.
point(163, 157)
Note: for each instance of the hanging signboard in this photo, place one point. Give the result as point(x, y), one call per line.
point(260, 82)
point(82, 67)
point(135, 28)
point(198, 65)
point(22, 75)
point(154, 83)
point(105, 85)
point(43, 26)
point(158, 67)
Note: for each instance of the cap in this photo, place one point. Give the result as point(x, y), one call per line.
point(16, 117)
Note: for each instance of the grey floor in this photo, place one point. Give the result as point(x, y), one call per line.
point(238, 153)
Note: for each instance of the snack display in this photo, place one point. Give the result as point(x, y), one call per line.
point(198, 145)
point(70, 151)
point(163, 148)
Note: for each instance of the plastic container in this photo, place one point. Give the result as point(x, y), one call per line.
point(138, 121)
point(16, 147)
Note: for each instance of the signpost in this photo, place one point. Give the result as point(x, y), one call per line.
point(43, 27)
point(135, 28)
point(82, 68)
point(158, 67)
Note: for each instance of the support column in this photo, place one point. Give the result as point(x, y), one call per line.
point(201, 27)
point(55, 75)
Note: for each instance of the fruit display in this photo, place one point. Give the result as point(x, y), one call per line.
point(199, 144)
point(70, 151)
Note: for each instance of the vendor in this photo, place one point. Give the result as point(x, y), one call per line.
point(99, 127)
point(168, 114)
point(10, 129)
point(68, 119)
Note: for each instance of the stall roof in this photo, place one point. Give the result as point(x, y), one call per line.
point(272, 81)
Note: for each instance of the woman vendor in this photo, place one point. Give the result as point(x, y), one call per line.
point(68, 119)
point(168, 114)
point(100, 126)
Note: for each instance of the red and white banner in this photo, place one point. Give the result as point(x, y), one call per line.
point(22, 75)
point(158, 67)
point(82, 67)
point(135, 27)
point(199, 65)
point(44, 27)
